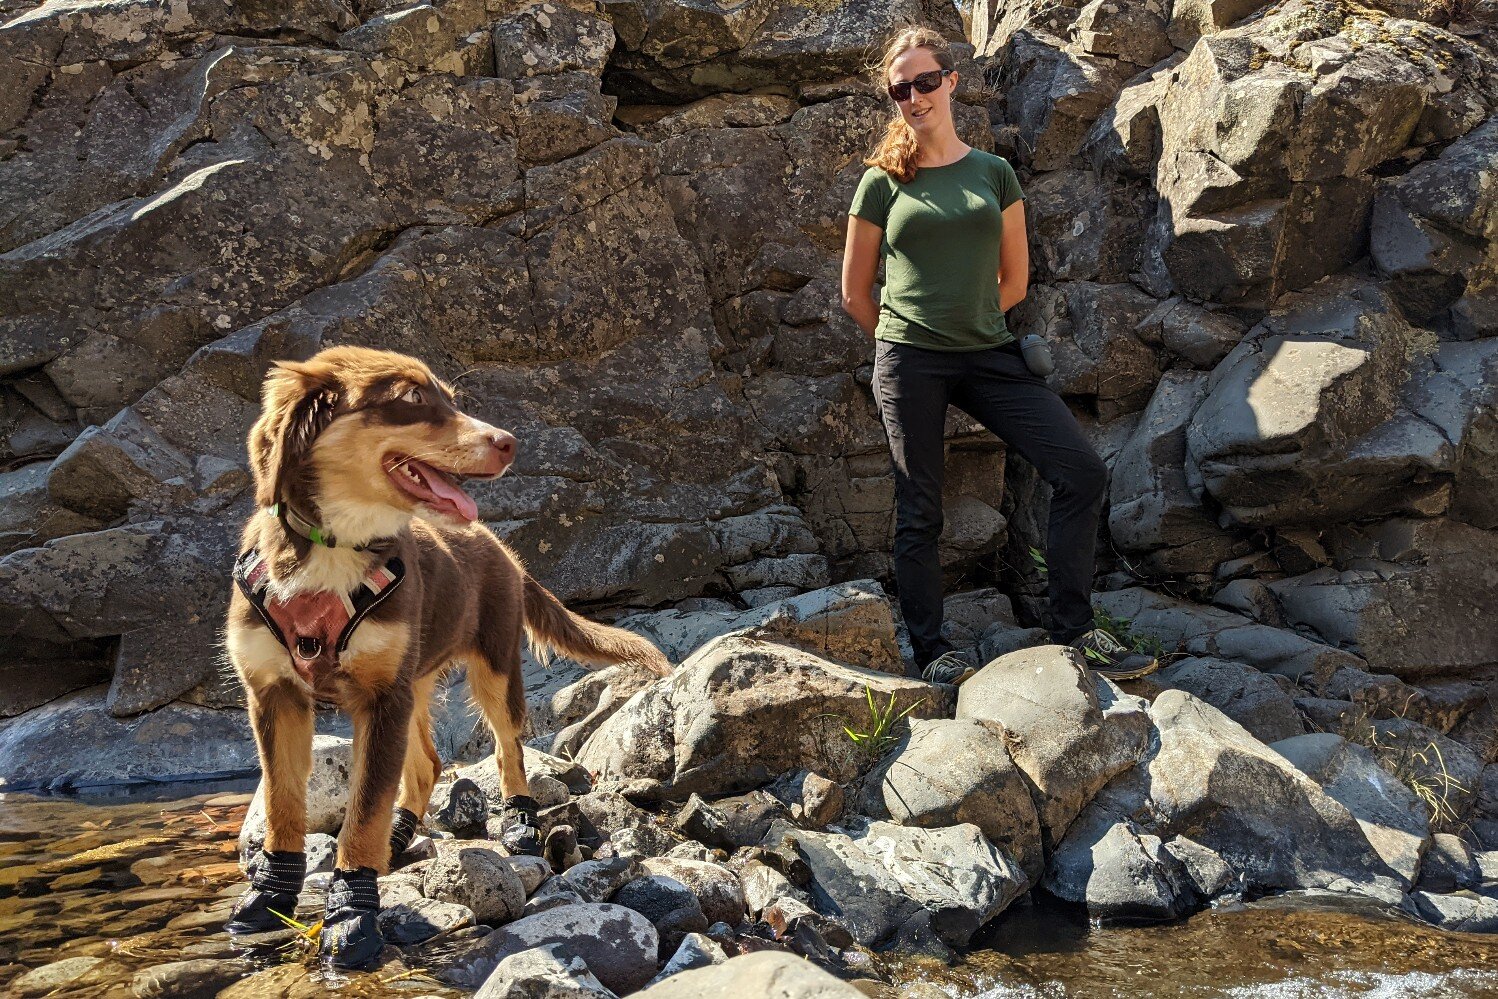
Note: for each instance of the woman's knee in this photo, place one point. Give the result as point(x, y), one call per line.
point(1086, 476)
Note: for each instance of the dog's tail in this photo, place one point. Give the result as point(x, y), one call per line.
point(552, 627)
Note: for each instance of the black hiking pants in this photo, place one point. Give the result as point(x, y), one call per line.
point(913, 387)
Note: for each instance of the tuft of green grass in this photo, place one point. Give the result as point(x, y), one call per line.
point(879, 732)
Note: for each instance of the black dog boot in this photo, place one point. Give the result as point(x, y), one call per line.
point(402, 832)
point(350, 927)
point(275, 882)
point(522, 835)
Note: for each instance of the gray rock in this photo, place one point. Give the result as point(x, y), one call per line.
point(1209, 874)
point(155, 665)
point(1069, 731)
point(763, 886)
point(1464, 912)
point(765, 975)
point(876, 878)
point(1117, 872)
point(418, 920)
point(741, 712)
point(617, 944)
point(547, 972)
point(696, 951)
point(851, 623)
point(1448, 865)
point(669, 905)
point(1152, 509)
point(478, 879)
point(108, 468)
point(48, 978)
point(1395, 821)
point(597, 880)
point(485, 773)
point(813, 799)
point(1249, 697)
point(554, 892)
point(189, 979)
point(59, 745)
point(715, 886)
point(1211, 632)
point(461, 808)
point(730, 822)
point(1211, 780)
point(949, 772)
point(1408, 603)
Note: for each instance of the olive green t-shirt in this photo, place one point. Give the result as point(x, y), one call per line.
point(941, 251)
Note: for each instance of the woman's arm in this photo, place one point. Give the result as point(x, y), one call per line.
point(860, 267)
point(1014, 259)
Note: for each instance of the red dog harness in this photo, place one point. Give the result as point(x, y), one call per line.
point(314, 627)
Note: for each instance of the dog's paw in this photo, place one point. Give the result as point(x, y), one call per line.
point(522, 835)
point(275, 882)
point(351, 935)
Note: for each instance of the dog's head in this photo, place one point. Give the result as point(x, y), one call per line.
point(365, 439)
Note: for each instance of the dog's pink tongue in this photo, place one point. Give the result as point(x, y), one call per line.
point(445, 489)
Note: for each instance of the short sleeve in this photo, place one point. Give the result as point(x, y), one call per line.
point(871, 200)
point(1009, 190)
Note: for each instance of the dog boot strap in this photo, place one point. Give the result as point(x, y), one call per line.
point(350, 930)
point(275, 882)
point(402, 831)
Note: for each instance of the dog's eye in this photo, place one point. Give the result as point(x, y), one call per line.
point(413, 395)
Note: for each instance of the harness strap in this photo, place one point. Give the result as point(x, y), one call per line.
point(252, 576)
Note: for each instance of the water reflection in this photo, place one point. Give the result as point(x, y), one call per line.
point(127, 887)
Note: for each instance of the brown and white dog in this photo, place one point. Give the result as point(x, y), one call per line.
point(361, 579)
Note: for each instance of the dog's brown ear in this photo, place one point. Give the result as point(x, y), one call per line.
point(298, 402)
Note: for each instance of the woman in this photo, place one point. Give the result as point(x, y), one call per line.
point(949, 223)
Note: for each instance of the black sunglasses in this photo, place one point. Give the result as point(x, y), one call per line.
point(926, 83)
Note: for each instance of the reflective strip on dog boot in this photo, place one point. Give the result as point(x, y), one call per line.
point(402, 831)
point(275, 882)
point(522, 837)
point(350, 929)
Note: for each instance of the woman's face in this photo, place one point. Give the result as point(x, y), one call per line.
point(923, 112)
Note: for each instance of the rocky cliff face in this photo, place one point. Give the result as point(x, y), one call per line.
point(1263, 250)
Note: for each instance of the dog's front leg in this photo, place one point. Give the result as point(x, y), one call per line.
point(351, 933)
point(281, 717)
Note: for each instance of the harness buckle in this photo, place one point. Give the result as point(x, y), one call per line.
point(308, 648)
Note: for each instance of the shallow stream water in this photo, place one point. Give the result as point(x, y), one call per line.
point(137, 883)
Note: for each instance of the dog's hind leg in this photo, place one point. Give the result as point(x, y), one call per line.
point(281, 717)
point(494, 677)
point(420, 771)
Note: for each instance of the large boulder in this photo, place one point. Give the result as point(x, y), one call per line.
point(1395, 821)
point(1068, 730)
point(1152, 509)
point(1249, 697)
point(741, 712)
point(851, 623)
point(1211, 780)
point(1411, 600)
point(58, 745)
point(767, 975)
point(1276, 440)
point(883, 881)
point(617, 944)
point(948, 772)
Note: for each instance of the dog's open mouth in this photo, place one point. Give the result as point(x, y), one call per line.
point(437, 489)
